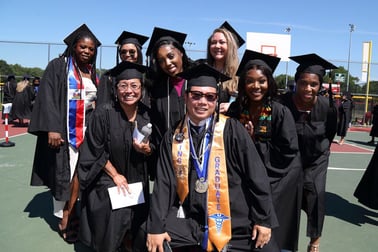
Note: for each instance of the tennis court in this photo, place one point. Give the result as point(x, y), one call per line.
point(28, 225)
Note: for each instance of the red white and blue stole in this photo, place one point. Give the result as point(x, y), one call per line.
point(76, 108)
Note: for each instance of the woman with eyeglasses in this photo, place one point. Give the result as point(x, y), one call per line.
point(129, 48)
point(112, 156)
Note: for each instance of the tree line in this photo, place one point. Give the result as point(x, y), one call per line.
point(19, 71)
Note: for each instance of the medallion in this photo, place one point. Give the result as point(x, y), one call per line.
point(201, 185)
point(179, 137)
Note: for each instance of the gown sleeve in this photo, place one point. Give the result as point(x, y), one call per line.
point(244, 159)
point(49, 107)
point(164, 192)
point(94, 151)
point(280, 154)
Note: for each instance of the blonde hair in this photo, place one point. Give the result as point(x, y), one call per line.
point(22, 85)
point(232, 59)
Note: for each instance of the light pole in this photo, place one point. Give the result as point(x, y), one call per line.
point(351, 29)
point(287, 30)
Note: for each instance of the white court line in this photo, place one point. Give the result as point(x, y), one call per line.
point(352, 152)
point(345, 169)
point(15, 136)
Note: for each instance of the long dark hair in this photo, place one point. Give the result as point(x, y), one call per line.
point(243, 100)
point(155, 66)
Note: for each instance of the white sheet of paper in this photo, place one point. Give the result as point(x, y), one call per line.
point(119, 200)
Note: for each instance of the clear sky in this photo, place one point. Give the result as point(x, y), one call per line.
point(320, 27)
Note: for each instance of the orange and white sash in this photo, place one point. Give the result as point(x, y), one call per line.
point(218, 204)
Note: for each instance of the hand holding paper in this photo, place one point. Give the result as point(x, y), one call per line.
point(119, 199)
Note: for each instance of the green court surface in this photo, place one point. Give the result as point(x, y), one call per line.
point(27, 223)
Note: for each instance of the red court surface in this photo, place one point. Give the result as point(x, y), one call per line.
point(13, 129)
point(349, 148)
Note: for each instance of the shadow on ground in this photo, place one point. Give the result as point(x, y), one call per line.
point(342, 209)
point(41, 206)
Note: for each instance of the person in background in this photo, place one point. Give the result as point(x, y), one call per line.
point(211, 191)
point(222, 54)
point(345, 117)
point(367, 189)
point(111, 157)
point(316, 123)
point(374, 128)
point(129, 48)
point(64, 103)
point(35, 83)
point(167, 58)
point(272, 128)
point(22, 102)
point(9, 90)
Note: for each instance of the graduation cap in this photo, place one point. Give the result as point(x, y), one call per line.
point(237, 36)
point(160, 34)
point(312, 63)
point(255, 58)
point(133, 38)
point(203, 75)
point(82, 30)
point(128, 70)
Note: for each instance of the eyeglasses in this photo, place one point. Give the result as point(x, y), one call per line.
point(197, 95)
point(131, 52)
point(132, 86)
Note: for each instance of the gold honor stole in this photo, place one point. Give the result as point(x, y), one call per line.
point(218, 206)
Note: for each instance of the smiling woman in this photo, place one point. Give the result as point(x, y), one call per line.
point(167, 59)
point(111, 157)
point(63, 106)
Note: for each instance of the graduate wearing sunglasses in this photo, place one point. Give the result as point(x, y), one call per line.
point(211, 192)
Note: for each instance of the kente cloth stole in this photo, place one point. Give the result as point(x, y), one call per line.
point(218, 229)
point(76, 108)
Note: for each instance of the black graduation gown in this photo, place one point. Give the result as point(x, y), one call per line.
point(374, 128)
point(166, 105)
point(22, 103)
point(9, 90)
point(281, 158)
point(249, 193)
point(367, 189)
point(315, 135)
point(51, 166)
point(345, 115)
point(105, 91)
point(109, 137)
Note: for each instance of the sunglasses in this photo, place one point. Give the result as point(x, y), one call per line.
point(131, 52)
point(197, 95)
